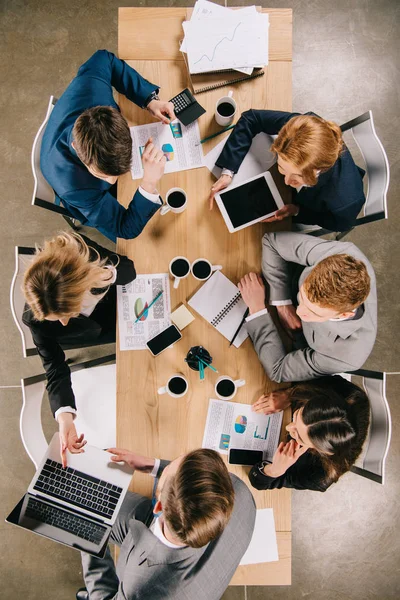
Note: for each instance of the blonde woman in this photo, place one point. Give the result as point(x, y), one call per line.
point(311, 155)
point(71, 302)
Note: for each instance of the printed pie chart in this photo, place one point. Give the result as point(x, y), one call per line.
point(240, 424)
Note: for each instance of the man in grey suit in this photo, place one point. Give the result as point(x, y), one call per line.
point(336, 312)
point(186, 544)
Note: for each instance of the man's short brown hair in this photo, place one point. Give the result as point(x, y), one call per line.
point(198, 499)
point(339, 282)
point(102, 140)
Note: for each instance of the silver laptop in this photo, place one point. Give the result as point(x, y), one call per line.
point(75, 506)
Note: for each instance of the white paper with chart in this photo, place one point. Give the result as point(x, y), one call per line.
point(234, 425)
point(177, 142)
point(220, 303)
point(132, 300)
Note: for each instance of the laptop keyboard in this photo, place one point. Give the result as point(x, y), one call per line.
point(62, 519)
point(77, 488)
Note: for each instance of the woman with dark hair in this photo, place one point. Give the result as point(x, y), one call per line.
point(329, 426)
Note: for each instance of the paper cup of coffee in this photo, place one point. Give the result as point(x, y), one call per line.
point(177, 386)
point(179, 267)
point(226, 387)
point(202, 269)
point(175, 201)
point(225, 110)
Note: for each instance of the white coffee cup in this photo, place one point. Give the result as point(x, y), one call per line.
point(212, 268)
point(222, 120)
point(232, 383)
point(175, 388)
point(167, 206)
point(177, 277)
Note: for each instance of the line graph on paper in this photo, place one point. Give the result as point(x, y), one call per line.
point(225, 43)
point(211, 59)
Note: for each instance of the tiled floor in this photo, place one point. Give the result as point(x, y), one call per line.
point(345, 61)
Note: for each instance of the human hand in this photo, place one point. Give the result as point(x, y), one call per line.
point(289, 318)
point(161, 110)
point(285, 456)
point(252, 288)
point(133, 460)
point(272, 403)
point(219, 185)
point(69, 439)
point(289, 210)
point(153, 166)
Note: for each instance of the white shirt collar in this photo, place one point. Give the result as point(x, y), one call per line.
point(158, 532)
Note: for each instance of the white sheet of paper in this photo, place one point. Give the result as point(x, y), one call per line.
point(263, 546)
point(179, 144)
point(230, 41)
point(258, 159)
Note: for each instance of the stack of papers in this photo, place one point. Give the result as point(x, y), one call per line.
point(219, 38)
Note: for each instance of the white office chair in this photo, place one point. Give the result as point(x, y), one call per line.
point(378, 173)
point(43, 193)
point(94, 385)
point(371, 463)
point(23, 258)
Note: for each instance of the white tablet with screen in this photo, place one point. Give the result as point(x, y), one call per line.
point(249, 202)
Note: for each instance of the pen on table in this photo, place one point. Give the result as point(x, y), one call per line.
point(246, 314)
point(140, 315)
point(210, 137)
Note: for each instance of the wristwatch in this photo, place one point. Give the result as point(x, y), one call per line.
point(153, 96)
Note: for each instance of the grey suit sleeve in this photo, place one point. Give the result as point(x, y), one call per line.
point(279, 249)
point(163, 464)
point(280, 366)
point(101, 580)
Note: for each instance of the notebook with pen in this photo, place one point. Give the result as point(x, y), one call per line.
point(219, 302)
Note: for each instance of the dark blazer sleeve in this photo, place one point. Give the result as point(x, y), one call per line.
point(118, 74)
point(104, 212)
point(125, 268)
point(249, 125)
point(306, 474)
point(58, 373)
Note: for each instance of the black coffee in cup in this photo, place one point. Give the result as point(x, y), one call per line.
point(226, 109)
point(180, 267)
point(201, 269)
point(225, 388)
point(177, 385)
point(176, 199)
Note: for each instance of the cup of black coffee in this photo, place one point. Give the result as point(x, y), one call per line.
point(225, 110)
point(226, 387)
point(179, 267)
point(176, 201)
point(202, 269)
point(177, 386)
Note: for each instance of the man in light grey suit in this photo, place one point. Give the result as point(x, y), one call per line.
point(186, 544)
point(336, 306)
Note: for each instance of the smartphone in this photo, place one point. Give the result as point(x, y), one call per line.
point(163, 340)
point(244, 457)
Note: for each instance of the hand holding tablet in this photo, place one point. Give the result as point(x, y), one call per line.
point(249, 202)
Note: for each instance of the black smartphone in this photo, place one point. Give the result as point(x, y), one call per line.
point(244, 457)
point(163, 340)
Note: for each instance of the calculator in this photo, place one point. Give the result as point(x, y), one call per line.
point(186, 107)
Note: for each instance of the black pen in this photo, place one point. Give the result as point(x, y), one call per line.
point(246, 314)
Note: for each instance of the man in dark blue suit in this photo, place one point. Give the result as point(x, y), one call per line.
point(87, 145)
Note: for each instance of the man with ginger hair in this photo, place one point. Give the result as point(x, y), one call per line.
point(325, 295)
point(185, 544)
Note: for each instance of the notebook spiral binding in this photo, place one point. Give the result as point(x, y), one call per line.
point(222, 314)
point(226, 83)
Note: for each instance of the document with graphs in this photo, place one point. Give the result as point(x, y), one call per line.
point(137, 324)
point(234, 425)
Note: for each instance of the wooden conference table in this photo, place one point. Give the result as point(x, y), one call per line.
point(161, 426)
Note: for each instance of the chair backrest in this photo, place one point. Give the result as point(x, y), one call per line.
point(377, 444)
point(23, 258)
point(94, 385)
point(377, 166)
point(43, 193)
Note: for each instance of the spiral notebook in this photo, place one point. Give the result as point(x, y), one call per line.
point(219, 302)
